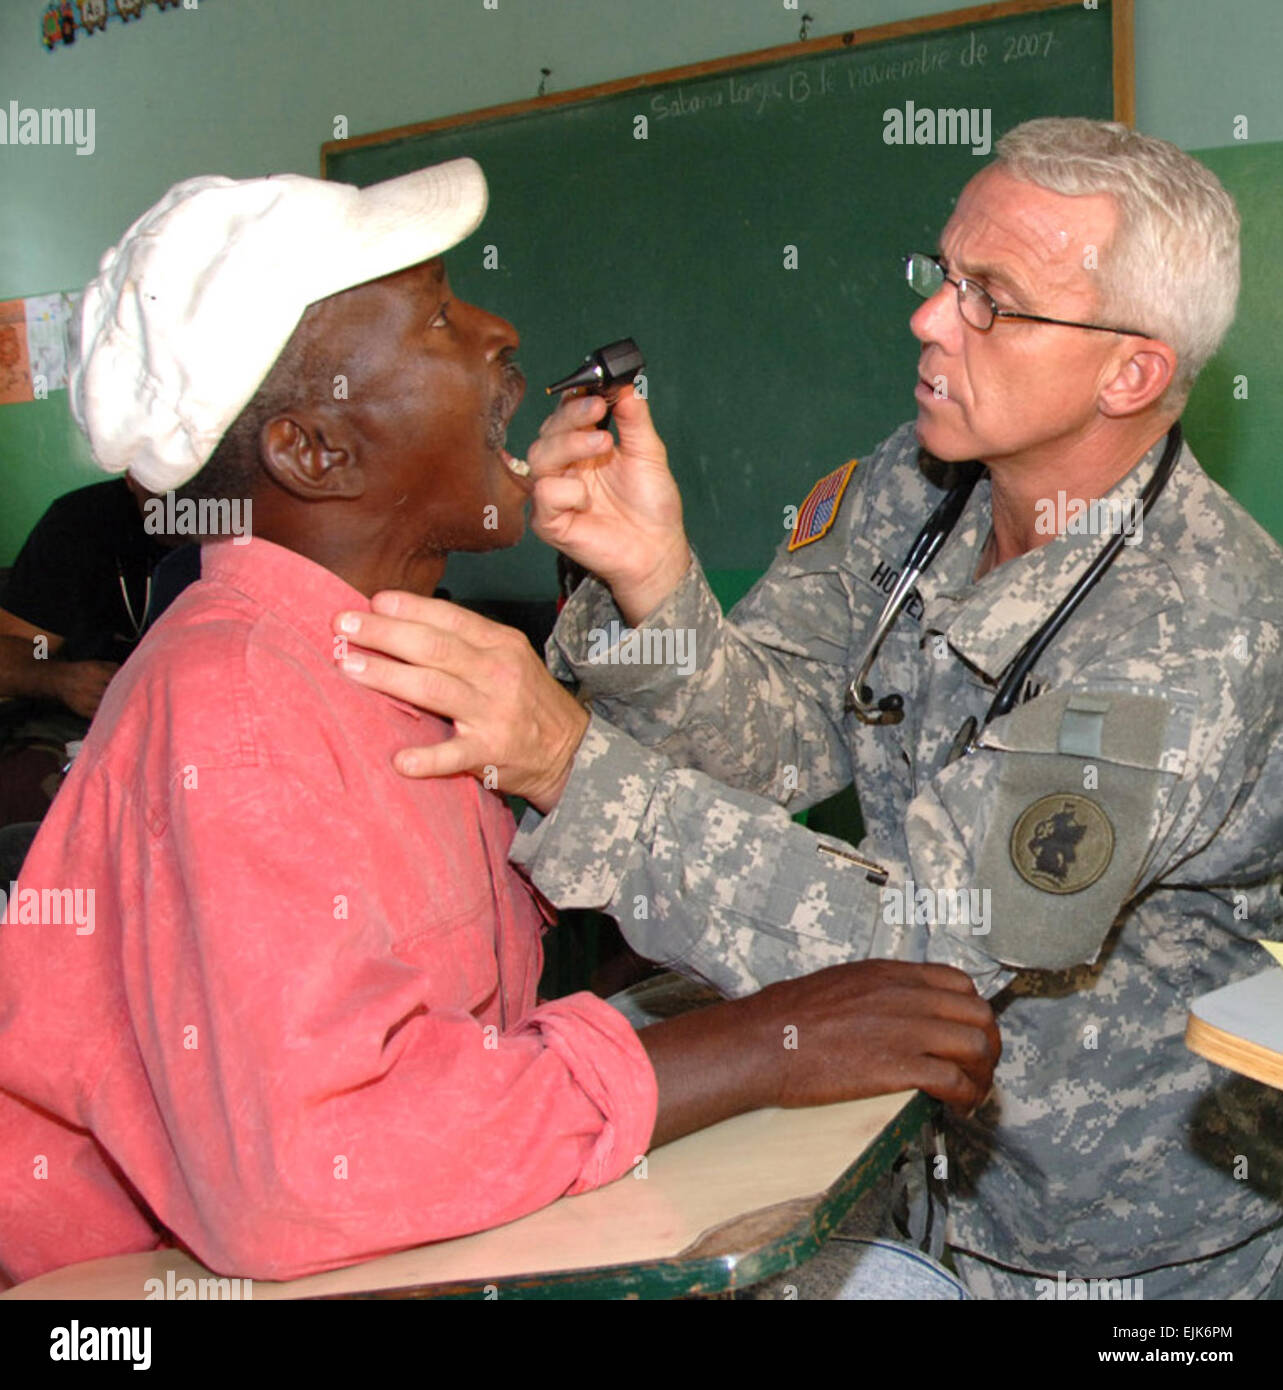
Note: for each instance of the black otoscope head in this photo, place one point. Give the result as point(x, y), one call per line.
point(608, 368)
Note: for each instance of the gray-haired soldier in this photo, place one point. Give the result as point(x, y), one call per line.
point(1097, 830)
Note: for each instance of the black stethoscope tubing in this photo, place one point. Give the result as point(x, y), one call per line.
point(1038, 643)
point(924, 549)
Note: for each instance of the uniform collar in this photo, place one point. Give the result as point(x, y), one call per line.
point(988, 622)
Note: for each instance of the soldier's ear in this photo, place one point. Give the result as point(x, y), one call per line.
point(1135, 383)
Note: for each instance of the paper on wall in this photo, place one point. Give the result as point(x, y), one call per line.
point(47, 316)
point(15, 368)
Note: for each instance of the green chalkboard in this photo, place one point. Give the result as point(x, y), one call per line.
point(1234, 419)
point(750, 242)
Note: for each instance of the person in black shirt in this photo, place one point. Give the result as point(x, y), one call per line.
point(84, 583)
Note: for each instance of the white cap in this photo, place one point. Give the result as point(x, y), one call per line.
point(191, 310)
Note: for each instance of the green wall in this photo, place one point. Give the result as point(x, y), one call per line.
point(245, 87)
point(1234, 419)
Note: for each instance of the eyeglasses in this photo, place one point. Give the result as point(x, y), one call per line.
point(977, 306)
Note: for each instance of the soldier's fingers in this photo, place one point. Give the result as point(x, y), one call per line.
point(557, 494)
point(424, 630)
point(555, 452)
point(429, 689)
point(417, 643)
point(446, 759)
point(439, 613)
point(574, 411)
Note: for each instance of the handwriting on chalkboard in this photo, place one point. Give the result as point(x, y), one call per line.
point(842, 76)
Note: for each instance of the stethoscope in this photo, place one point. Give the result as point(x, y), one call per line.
point(136, 621)
point(890, 708)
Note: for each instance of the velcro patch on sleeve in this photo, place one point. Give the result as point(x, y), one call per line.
point(1072, 818)
point(817, 514)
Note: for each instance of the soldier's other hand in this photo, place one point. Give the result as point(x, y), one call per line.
point(515, 729)
point(611, 507)
point(873, 1027)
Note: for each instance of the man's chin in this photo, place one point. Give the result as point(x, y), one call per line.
point(511, 528)
point(940, 443)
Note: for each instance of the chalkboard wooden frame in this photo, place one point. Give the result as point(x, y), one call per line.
point(1121, 15)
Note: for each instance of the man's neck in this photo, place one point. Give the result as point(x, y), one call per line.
point(367, 561)
point(369, 574)
point(1083, 469)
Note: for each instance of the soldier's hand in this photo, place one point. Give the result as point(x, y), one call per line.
point(873, 1027)
point(612, 507)
point(80, 685)
point(515, 728)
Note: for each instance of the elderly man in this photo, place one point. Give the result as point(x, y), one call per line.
point(293, 1023)
point(1074, 791)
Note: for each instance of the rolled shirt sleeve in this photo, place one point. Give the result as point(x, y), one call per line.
point(302, 1030)
point(319, 1098)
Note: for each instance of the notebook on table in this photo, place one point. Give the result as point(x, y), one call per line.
point(1240, 1026)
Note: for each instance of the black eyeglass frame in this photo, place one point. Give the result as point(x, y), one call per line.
point(998, 313)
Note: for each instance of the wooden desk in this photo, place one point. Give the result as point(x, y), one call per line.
point(1240, 1026)
point(718, 1210)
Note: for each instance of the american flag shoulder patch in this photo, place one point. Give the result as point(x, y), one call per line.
point(819, 511)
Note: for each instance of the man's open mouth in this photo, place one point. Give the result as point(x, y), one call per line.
point(504, 407)
point(512, 389)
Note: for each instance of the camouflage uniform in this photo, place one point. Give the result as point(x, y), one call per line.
point(1151, 731)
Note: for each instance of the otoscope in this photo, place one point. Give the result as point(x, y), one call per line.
point(604, 373)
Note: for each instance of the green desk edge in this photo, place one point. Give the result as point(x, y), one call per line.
point(804, 1225)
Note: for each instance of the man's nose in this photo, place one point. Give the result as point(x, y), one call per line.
point(498, 335)
point(937, 320)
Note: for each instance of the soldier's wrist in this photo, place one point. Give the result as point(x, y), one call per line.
point(638, 597)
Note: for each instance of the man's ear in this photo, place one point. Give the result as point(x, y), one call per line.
point(311, 456)
point(1144, 374)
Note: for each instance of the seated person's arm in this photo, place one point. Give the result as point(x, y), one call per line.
point(311, 1087)
point(850, 1031)
point(77, 684)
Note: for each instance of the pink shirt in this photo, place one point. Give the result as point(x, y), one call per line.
point(298, 1028)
